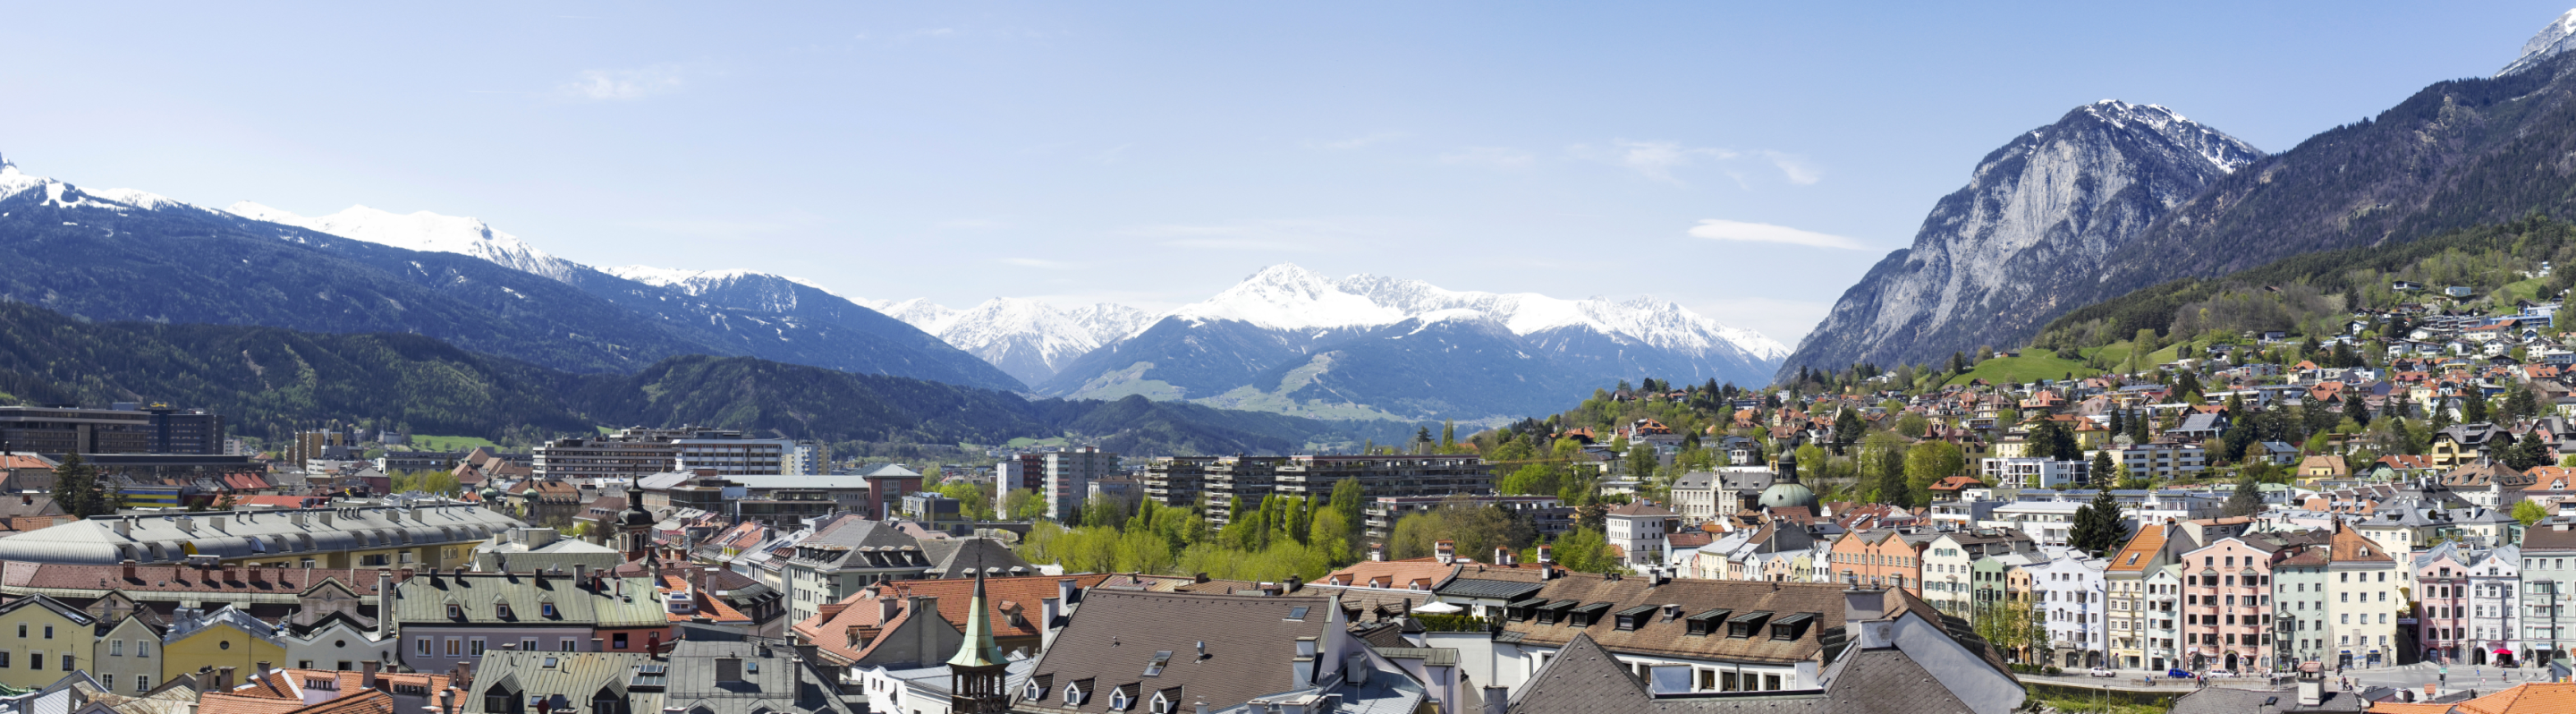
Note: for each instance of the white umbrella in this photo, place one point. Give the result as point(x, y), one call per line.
point(1439, 608)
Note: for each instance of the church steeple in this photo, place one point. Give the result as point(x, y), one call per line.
point(976, 672)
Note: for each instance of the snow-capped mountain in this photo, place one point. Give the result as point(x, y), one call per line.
point(1997, 259)
point(2554, 38)
point(1026, 338)
point(421, 231)
point(1292, 340)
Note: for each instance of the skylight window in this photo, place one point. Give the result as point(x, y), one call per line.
point(1297, 613)
point(1161, 657)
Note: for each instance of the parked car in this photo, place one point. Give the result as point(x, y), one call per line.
point(2102, 672)
point(2177, 674)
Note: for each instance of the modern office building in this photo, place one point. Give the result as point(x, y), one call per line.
point(637, 452)
point(1069, 475)
point(124, 429)
point(1214, 482)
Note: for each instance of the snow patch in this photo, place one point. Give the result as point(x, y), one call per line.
point(2553, 38)
point(422, 231)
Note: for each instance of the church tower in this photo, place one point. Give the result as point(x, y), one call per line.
point(635, 526)
point(975, 674)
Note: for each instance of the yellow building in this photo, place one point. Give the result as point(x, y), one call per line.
point(223, 638)
point(45, 639)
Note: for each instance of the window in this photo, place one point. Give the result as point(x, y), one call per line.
point(115, 648)
point(143, 683)
point(455, 645)
point(49, 632)
point(528, 644)
point(68, 661)
point(1035, 692)
point(619, 640)
point(142, 648)
point(474, 647)
point(108, 681)
point(565, 644)
point(502, 608)
point(35, 660)
point(546, 609)
point(424, 646)
point(455, 611)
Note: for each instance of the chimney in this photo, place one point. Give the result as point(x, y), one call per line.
point(1497, 699)
point(598, 645)
point(1356, 669)
point(447, 701)
point(2312, 691)
point(1446, 551)
point(125, 526)
point(1547, 554)
point(368, 679)
point(225, 679)
point(1068, 591)
point(1862, 605)
point(129, 571)
point(1049, 608)
point(326, 518)
point(1377, 552)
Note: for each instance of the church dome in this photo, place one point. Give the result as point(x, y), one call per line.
point(1788, 495)
point(635, 516)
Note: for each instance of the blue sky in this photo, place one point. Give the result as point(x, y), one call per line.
point(1153, 154)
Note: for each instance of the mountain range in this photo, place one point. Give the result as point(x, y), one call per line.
point(2107, 202)
point(1284, 340)
point(269, 381)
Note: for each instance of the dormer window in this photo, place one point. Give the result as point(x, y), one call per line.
point(455, 611)
point(1118, 700)
point(1035, 693)
point(547, 609)
point(502, 609)
point(1159, 705)
point(1073, 694)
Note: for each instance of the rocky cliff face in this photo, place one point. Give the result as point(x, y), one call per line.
point(2039, 217)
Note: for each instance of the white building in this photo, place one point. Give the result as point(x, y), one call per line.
point(2028, 472)
point(1637, 529)
point(2068, 595)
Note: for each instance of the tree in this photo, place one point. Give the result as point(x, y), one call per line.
point(1883, 469)
point(2248, 498)
point(2106, 474)
point(2098, 525)
point(2355, 409)
point(1022, 504)
point(1913, 426)
point(1847, 429)
point(2527, 453)
point(1585, 550)
point(77, 489)
point(1929, 462)
point(2529, 512)
point(2473, 407)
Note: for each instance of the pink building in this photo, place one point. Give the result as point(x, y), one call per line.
point(2227, 605)
point(2442, 603)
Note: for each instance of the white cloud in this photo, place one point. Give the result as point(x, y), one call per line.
point(1654, 159)
point(1720, 229)
point(1355, 142)
point(623, 84)
point(1042, 263)
point(1491, 157)
point(1794, 167)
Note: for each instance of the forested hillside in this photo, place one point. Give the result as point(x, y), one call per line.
point(270, 381)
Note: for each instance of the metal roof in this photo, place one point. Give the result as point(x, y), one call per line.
point(107, 540)
point(1488, 589)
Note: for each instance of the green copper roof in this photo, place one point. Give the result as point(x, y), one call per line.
point(977, 650)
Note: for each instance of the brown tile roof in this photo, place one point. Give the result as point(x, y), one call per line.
point(367, 702)
point(2140, 552)
point(2531, 698)
point(1665, 635)
point(2349, 546)
point(1002, 595)
point(1249, 642)
point(1641, 508)
point(227, 703)
point(1389, 573)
